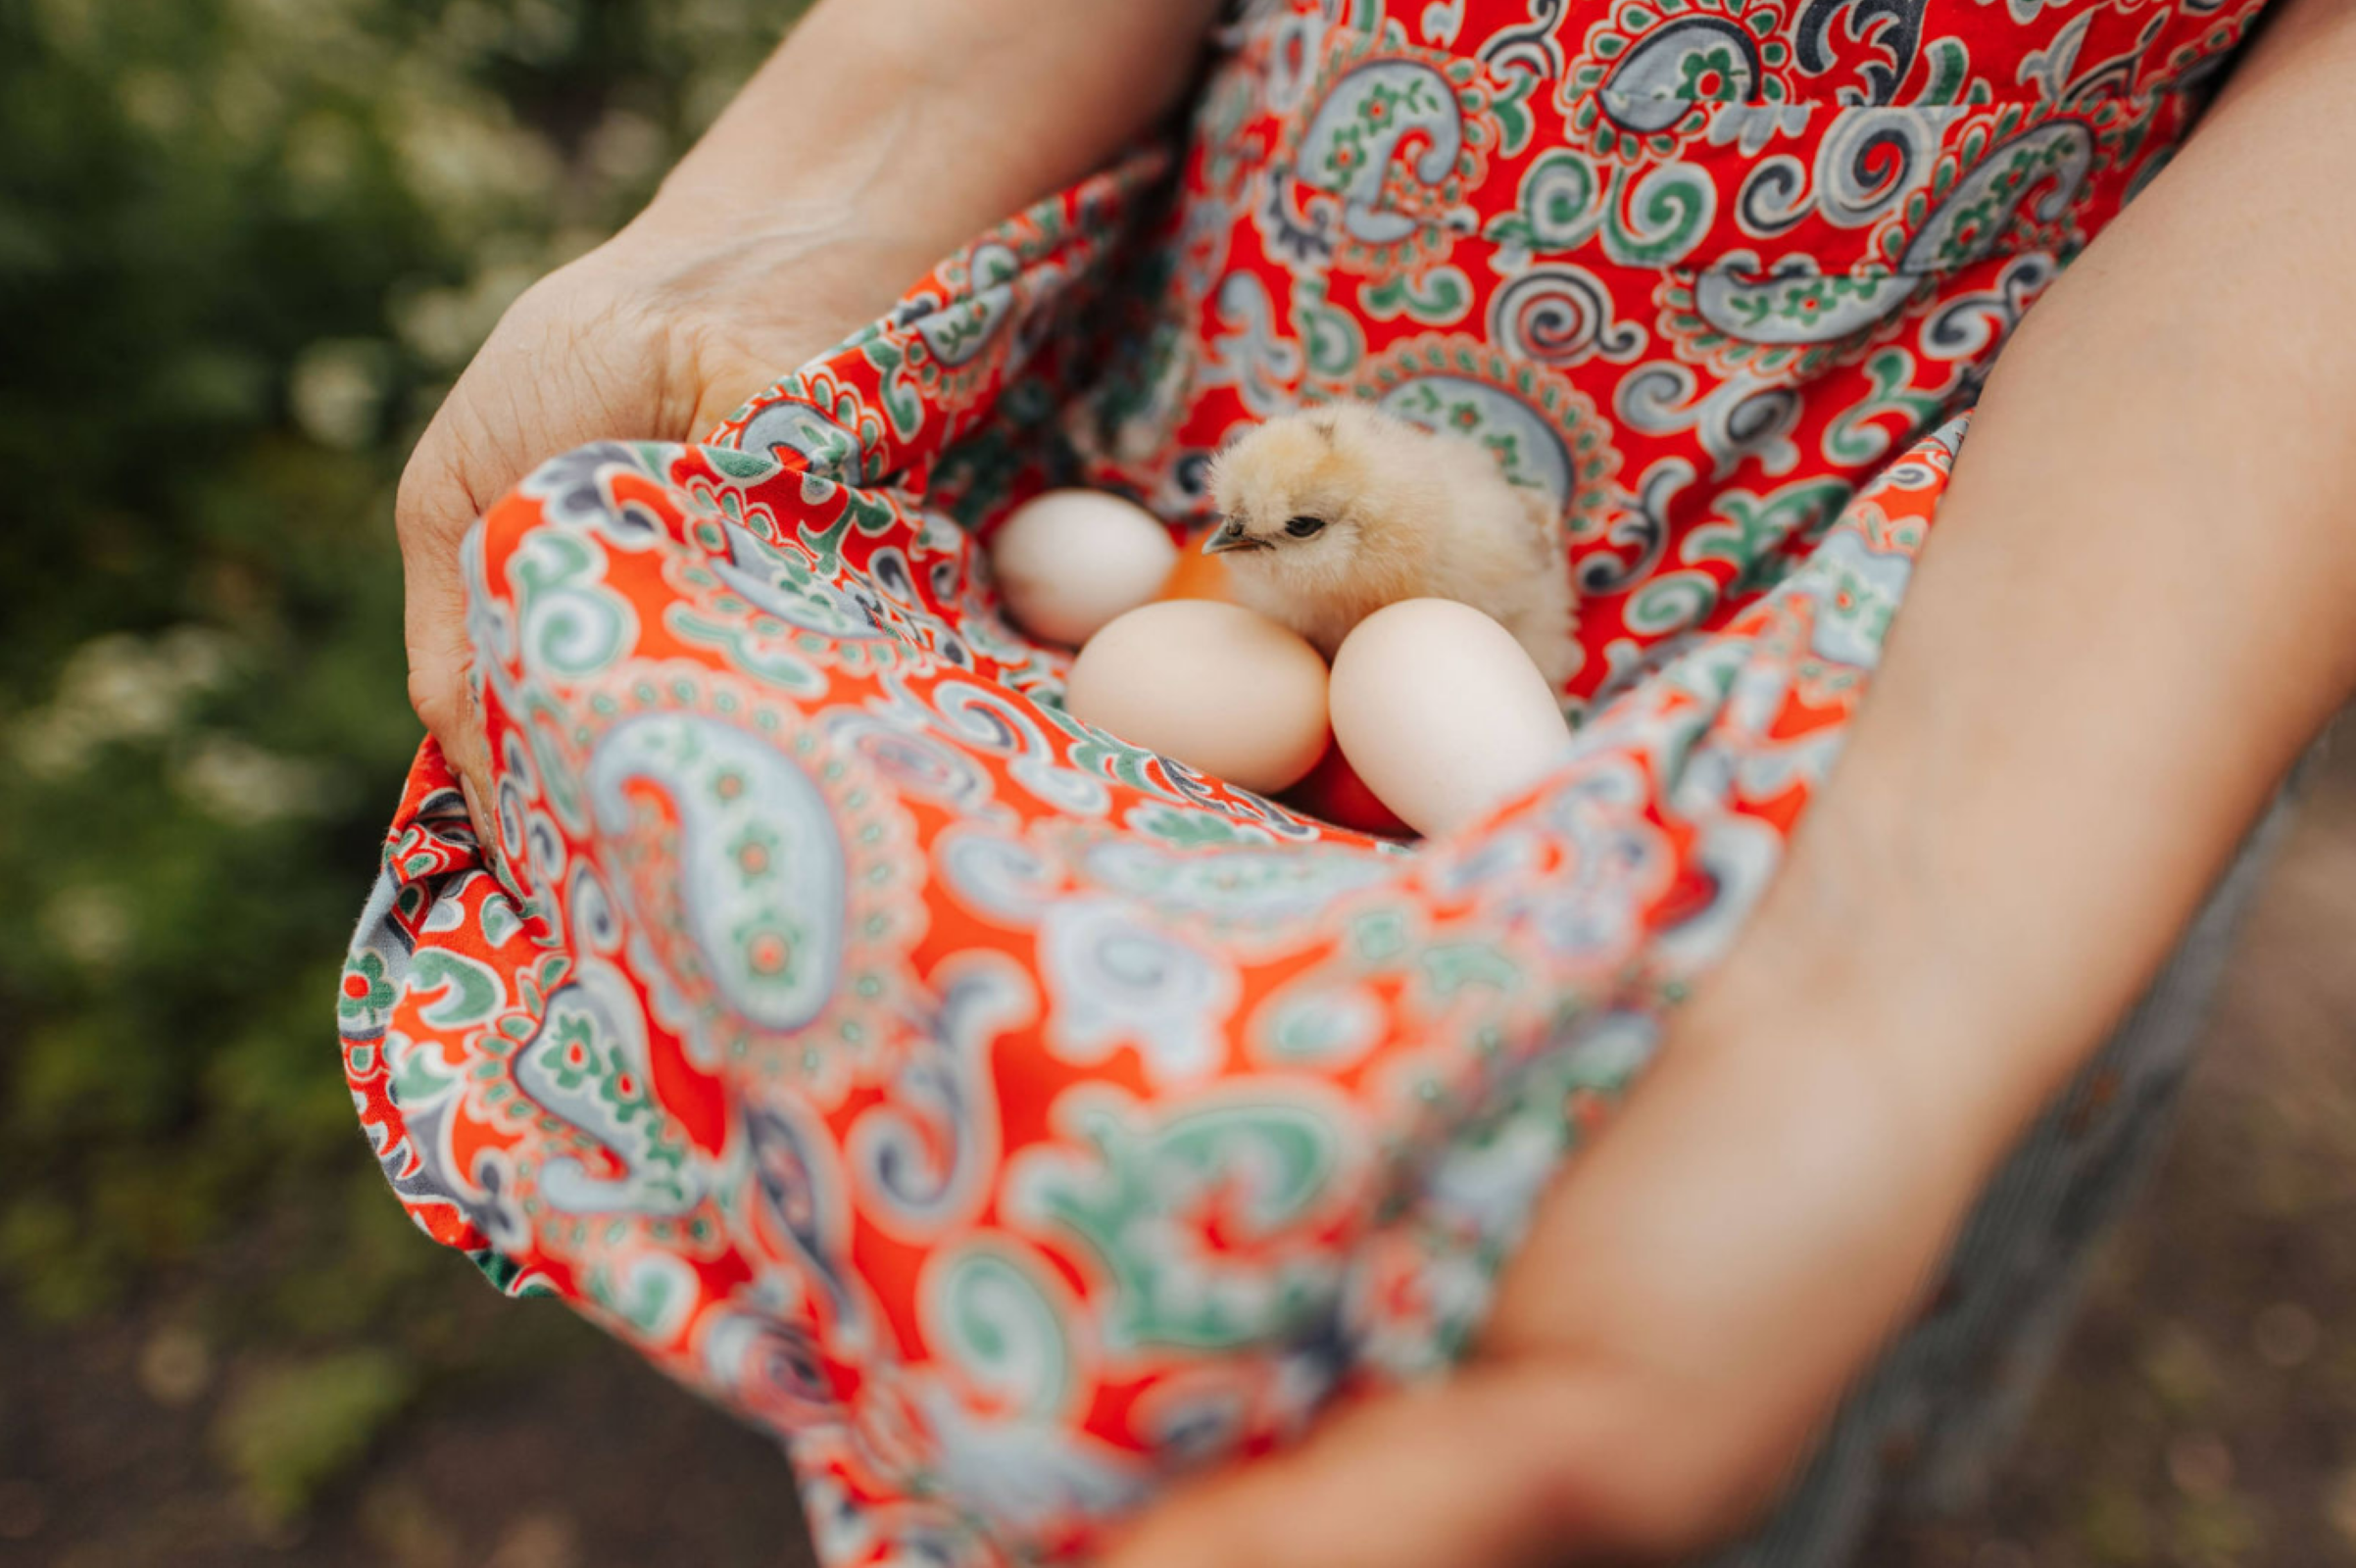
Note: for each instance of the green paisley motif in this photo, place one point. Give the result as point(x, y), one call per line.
point(1332, 339)
point(986, 1308)
point(573, 625)
point(1854, 438)
point(1131, 1196)
point(471, 990)
point(1672, 601)
point(1749, 531)
point(1098, 753)
point(864, 513)
point(1560, 207)
point(1439, 296)
point(1184, 829)
point(1655, 220)
point(376, 994)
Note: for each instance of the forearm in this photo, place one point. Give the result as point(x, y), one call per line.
point(2138, 605)
point(884, 134)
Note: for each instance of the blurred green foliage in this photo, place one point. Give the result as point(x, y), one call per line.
point(244, 247)
point(295, 1427)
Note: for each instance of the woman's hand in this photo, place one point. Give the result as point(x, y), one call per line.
point(1684, 1316)
point(882, 136)
point(655, 337)
point(2132, 614)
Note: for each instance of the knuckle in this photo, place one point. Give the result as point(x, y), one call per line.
point(434, 698)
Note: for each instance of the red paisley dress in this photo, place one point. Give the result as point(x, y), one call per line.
point(1011, 1118)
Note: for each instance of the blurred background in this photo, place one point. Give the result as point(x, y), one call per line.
point(244, 246)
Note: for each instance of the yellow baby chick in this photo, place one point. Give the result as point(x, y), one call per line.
point(1333, 512)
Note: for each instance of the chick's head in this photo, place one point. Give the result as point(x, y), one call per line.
point(1313, 495)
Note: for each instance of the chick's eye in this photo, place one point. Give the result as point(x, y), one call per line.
point(1303, 526)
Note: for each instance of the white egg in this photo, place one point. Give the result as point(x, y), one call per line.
point(1223, 689)
point(1443, 714)
point(1069, 560)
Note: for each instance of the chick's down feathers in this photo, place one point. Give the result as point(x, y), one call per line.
point(1332, 513)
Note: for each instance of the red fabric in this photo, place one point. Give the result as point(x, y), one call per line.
point(1011, 1116)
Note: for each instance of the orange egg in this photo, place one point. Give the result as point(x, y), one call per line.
point(1334, 793)
point(1198, 576)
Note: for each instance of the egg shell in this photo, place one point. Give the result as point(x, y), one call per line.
point(1334, 793)
point(1199, 576)
point(1067, 562)
point(1222, 689)
point(1442, 713)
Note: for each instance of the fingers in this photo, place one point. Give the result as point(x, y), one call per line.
point(434, 510)
point(564, 365)
point(1757, 1221)
point(1691, 1302)
point(1731, 1255)
point(1487, 1470)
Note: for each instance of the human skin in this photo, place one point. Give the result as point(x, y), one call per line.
point(2131, 616)
point(801, 215)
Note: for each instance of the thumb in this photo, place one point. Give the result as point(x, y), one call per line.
point(433, 513)
point(726, 386)
point(1501, 1465)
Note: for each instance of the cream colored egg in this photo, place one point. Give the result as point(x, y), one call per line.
point(1442, 713)
point(1222, 689)
point(1069, 560)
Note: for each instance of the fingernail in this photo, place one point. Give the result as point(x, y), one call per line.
point(484, 827)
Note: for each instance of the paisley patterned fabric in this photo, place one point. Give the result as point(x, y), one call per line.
point(1011, 1117)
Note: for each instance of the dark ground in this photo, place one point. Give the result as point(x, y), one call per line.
point(2205, 1415)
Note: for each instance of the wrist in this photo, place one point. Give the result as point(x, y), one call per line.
point(1848, 972)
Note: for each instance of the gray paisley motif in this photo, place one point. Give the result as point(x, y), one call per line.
point(1859, 591)
point(1530, 47)
point(827, 450)
point(771, 1365)
point(790, 1170)
point(1970, 225)
point(1276, 886)
point(1774, 196)
point(1025, 1471)
point(916, 764)
point(1743, 418)
point(1249, 354)
point(924, 1152)
point(1872, 158)
point(1115, 979)
point(1647, 91)
point(572, 490)
point(984, 716)
point(587, 1063)
point(957, 333)
point(1426, 108)
point(1561, 315)
point(763, 869)
point(787, 586)
point(1795, 303)
point(1970, 326)
point(1895, 28)
point(1000, 877)
point(1641, 530)
point(1528, 445)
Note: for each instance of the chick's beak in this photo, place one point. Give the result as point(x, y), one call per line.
point(1228, 535)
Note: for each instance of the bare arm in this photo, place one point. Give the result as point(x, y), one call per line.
point(2140, 603)
point(881, 136)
